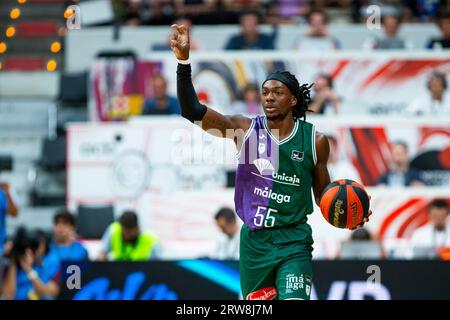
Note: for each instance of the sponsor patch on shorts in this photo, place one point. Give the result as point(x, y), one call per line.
point(263, 294)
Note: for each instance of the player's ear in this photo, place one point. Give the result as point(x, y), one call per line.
point(293, 101)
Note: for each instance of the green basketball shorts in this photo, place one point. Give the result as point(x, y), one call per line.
point(276, 263)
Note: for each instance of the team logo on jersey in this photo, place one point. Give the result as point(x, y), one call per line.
point(263, 165)
point(269, 194)
point(261, 147)
point(297, 155)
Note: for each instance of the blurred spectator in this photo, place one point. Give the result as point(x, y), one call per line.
point(436, 102)
point(249, 102)
point(161, 103)
point(228, 246)
point(361, 245)
point(120, 9)
point(361, 234)
point(317, 37)
point(390, 40)
point(162, 12)
point(286, 11)
point(400, 173)
point(444, 25)
point(200, 11)
point(124, 241)
point(325, 100)
point(33, 272)
point(426, 10)
point(65, 246)
point(428, 239)
point(135, 11)
point(194, 43)
point(339, 168)
point(7, 207)
point(250, 38)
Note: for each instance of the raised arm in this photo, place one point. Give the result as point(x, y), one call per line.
point(191, 108)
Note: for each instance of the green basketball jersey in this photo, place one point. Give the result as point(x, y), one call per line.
point(274, 178)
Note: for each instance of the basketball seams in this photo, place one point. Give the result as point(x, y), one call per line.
point(344, 203)
point(364, 199)
point(353, 199)
point(326, 200)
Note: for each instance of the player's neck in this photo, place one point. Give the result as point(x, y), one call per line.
point(283, 126)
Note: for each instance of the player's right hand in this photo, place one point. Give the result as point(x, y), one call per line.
point(179, 41)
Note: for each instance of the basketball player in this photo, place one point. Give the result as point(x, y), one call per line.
point(281, 157)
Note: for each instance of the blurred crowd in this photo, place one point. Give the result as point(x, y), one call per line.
point(164, 12)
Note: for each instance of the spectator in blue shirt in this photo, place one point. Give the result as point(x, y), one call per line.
point(442, 42)
point(64, 243)
point(250, 38)
point(400, 173)
point(161, 103)
point(33, 272)
point(7, 207)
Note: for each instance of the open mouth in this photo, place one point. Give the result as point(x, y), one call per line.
point(270, 108)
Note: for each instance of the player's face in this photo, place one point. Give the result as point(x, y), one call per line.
point(391, 25)
point(320, 83)
point(436, 86)
point(277, 100)
point(62, 231)
point(249, 24)
point(438, 217)
point(129, 235)
point(225, 226)
point(159, 87)
point(445, 27)
point(317, 24)
point(399, 154)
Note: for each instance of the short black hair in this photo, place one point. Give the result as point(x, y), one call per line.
point(439, 203)
point(227, 214)
point(361, 234)
point(64, 216)
point(129, 220)
point(443, 14)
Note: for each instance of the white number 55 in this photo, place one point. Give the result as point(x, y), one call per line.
point(267, 219)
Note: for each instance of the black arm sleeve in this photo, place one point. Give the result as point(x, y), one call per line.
point(191, 108)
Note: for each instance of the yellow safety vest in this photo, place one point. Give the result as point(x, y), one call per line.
point(140, 251)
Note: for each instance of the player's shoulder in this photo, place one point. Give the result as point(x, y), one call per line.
point(241, 122)
point(322, 147)
point(321, 138)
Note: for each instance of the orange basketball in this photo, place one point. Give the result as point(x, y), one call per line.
point(344, 203)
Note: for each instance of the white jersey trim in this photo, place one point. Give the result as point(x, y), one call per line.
point(314, 152)
point(247, 134)
point(289, 137)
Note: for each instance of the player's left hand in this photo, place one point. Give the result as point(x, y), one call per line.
point(364, 220)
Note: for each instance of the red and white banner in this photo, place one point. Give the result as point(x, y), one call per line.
point(367, 83)
point(174, 176)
